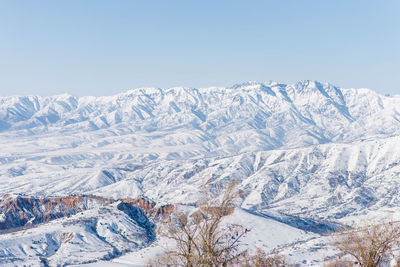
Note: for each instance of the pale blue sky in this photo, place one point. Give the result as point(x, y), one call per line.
point(94, 47)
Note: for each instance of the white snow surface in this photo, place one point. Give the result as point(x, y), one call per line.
point(307, 156)
point(99, 233)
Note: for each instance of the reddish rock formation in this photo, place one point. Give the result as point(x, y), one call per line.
point(19, 211)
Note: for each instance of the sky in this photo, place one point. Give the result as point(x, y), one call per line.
point(96, 47)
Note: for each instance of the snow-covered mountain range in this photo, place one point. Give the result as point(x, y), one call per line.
point(307, 156)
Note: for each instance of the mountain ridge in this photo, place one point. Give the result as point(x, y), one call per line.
point(270, 112)
point(310, 155)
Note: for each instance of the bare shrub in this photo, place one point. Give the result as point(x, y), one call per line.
point(163, 260)
point(371, 245)
point(261, 259)
point(338, 263)
point(397, 264)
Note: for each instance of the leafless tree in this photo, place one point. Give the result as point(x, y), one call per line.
point(202, 239)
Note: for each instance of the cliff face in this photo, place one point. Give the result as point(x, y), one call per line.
point(150, 208)
point(19, 211)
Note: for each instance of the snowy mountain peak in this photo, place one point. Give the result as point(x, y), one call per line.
point(270, 112)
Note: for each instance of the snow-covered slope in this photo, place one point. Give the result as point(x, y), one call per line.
point(308, 155)
point(99, 233)
point(264, 233)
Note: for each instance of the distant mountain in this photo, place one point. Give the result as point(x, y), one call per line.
point(218, 121)
point(308, 155)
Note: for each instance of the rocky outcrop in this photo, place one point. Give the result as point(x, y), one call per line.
point(150, 208)
point(139, 217)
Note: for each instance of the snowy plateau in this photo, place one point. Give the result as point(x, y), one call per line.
point(84, 180)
